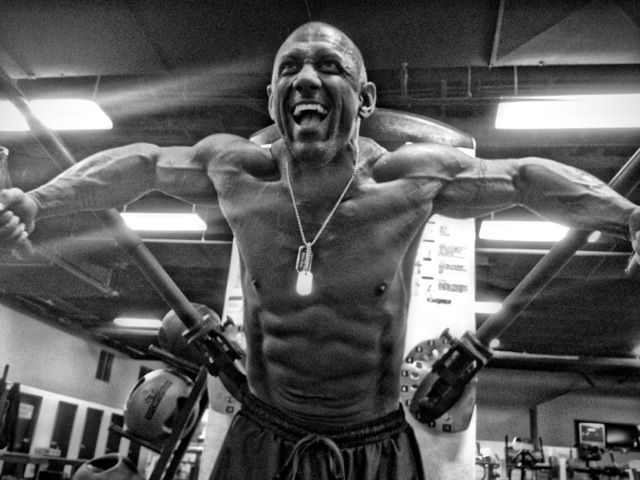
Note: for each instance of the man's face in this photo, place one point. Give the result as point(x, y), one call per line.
point(316, 90)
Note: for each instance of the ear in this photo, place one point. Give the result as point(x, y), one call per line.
point(269, 94)
point(368, 98)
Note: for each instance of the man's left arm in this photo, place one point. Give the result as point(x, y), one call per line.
point(472, 187)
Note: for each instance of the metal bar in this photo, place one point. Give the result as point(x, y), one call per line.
point(541, 251)
point(565, 363)
point(624, 182)
point(497, 35)
point(131, 243)
point(199, 390)
point(187, 242)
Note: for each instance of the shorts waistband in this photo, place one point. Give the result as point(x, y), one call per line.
point(363, 433)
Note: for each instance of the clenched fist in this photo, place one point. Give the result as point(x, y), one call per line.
point(17, 218)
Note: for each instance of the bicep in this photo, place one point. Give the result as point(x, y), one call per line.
point(182, 173)
point(464, 186)
point(479, 187)
point(554, 191)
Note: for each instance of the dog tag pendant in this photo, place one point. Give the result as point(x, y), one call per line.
point(303, 267)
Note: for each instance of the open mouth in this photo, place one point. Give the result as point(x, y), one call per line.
point(309, 114)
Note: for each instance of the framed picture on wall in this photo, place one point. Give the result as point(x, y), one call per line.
point(591, 433)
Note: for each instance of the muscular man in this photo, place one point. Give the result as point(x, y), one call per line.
point(327, 225)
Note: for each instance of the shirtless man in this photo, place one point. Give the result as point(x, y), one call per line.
point(325, 338)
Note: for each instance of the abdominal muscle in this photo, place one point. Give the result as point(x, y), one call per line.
point(327, 368)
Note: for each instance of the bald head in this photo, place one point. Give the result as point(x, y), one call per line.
point(319, 69)
point(325, 33)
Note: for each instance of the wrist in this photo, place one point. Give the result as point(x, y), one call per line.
point(36, 204)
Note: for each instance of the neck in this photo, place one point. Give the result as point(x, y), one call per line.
point(316, 155)
point(314, 162)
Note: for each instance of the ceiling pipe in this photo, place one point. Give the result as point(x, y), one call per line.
point(77, 272)
point(186, 241)
point(542, 251)
point(609, 366)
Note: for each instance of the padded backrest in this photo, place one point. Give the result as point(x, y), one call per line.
point(392, 128)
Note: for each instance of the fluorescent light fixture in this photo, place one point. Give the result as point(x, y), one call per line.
point(164, 222)
point(526, 231)
point(131, 322)
point(487, 307)
point(571, 111)
point(520, 231)
point(57, 114)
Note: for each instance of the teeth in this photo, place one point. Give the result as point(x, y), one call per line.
point(309, 107)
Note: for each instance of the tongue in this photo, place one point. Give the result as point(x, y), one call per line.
point(310, 119)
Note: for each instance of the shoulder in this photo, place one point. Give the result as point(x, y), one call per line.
point(423, 160)
point(232, 151)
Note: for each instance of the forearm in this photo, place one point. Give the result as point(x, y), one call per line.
point(555, 191)
point(115, 177)
point(571, 196)
point(107, 179)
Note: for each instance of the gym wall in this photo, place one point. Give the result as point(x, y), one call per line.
point(60, 367)
point(555, 421)
point(44, 357)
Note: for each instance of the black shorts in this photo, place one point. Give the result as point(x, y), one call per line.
point(262, 443)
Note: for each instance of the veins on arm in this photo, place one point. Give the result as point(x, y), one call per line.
point(554, 191)
point(107, 179)
point(571, 196)
point(476, 188)
point(118, 176)
point(461, 186)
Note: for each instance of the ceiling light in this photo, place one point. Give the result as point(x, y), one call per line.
point(164, 222)
point(58, 114)
point(521, 231)
point(131, 322)
point(570, 111)
point(487, 307)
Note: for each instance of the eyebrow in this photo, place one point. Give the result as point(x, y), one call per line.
point(336, 53)
point(344, 54)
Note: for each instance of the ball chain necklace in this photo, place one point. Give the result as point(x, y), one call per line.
point(304, 283)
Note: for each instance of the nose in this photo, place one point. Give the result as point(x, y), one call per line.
point(307, 79)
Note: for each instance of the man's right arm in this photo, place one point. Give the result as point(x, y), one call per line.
point(118, 176)
point(108, 179)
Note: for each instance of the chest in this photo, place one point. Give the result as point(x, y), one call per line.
point(362, 245)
